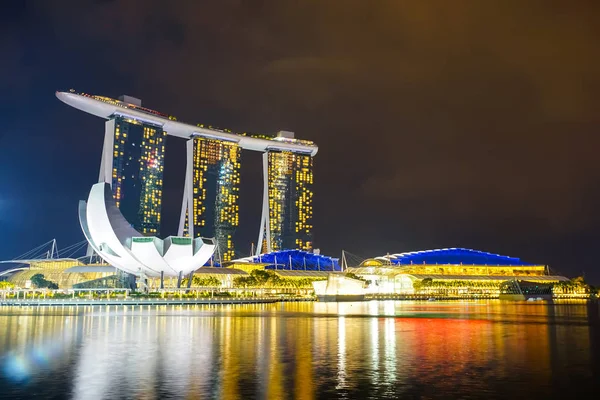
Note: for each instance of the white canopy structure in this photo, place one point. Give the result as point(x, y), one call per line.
point(119, 244)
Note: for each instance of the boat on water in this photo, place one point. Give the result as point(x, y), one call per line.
point(340, 288)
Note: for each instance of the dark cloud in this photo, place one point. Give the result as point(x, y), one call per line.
point(463, 123)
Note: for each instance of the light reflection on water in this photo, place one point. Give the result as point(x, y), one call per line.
point(302, 350)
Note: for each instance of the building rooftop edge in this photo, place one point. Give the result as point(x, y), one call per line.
point(106, 107)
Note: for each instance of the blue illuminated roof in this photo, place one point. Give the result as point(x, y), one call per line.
point(452, 256)
point(297, 260)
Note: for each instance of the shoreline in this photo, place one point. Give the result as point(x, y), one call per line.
point(225, 301)
point(136, 302)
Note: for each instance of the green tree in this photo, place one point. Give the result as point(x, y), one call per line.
point(210, 281)
point(427, 282)
point(270, 279)
point(244, 281)
point(575, 285)
point(41, 282)
point(38, 280)
point(202, 281)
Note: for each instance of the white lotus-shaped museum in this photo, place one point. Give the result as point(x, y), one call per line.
point(119, 244)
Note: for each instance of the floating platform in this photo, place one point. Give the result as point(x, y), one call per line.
point(340, 288)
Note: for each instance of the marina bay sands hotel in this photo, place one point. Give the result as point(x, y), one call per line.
point(133, 162)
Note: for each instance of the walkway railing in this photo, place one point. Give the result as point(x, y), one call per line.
point(169, 296)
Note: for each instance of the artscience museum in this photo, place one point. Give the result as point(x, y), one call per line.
point(119, 244)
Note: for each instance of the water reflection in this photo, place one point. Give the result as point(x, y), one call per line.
point(301, 350)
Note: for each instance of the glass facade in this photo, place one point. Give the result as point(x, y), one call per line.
point(216, 187)
point(290, 200)
point(137, 173)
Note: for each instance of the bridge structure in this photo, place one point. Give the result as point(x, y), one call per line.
point(47, 251)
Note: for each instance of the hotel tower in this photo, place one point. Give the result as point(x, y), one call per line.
point(212, 186)
point(133, 163)
point(289, 182)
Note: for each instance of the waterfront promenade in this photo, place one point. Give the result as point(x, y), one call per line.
point(175, 301)
point(137, 302)
point(208, 296)
point(122, 297)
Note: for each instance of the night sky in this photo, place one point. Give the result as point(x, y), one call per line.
point(440, 123)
